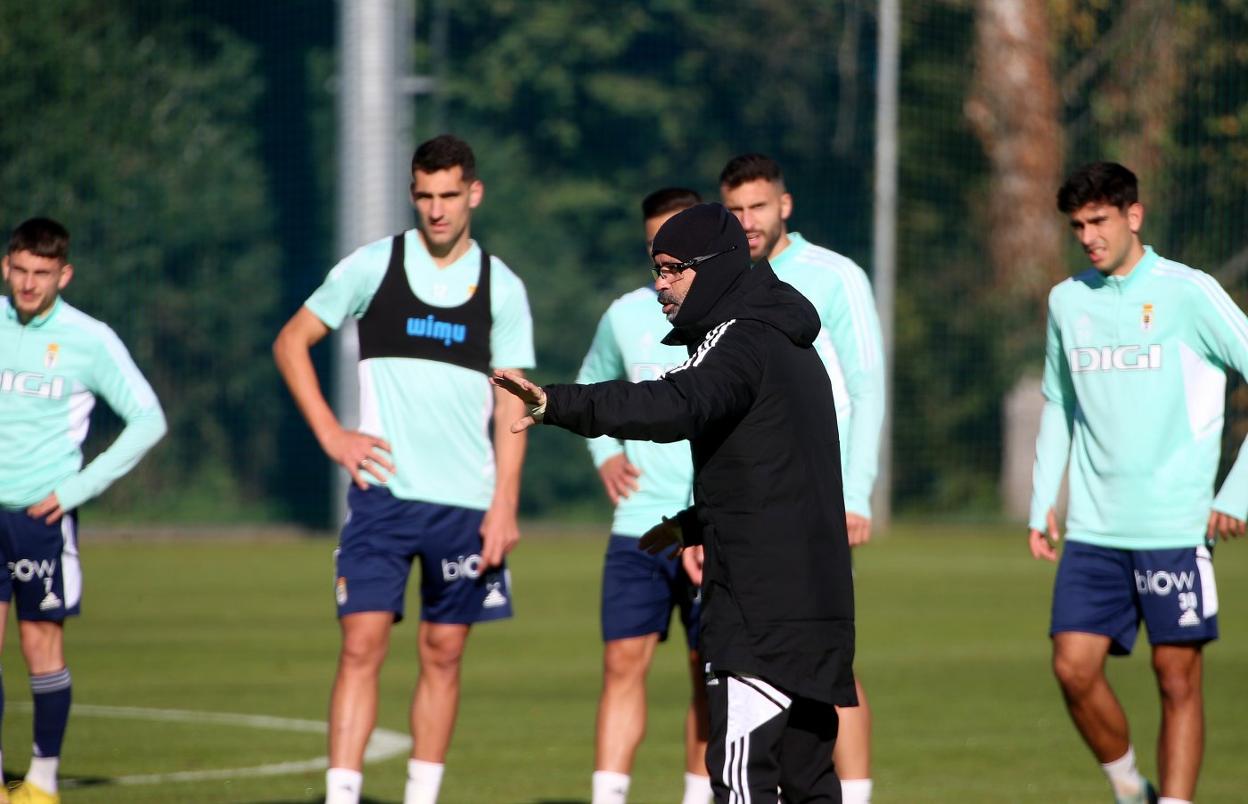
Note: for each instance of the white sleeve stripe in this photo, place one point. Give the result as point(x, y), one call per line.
point(1227, 310)
point(858, 295)
point(704, 348)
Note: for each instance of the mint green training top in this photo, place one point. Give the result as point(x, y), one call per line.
point(51, 370)
point(628, 346)
point(1134, 383)
point(437, 417)
point(852, 348)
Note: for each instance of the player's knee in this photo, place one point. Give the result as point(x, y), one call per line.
point(441, 653)
point(1076, 677)
point(1178, 685)
point(363, 651)
point(624, 663)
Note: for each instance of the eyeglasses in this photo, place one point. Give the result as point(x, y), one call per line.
point(670, 272)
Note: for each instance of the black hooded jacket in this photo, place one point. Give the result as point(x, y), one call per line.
point(755, 402)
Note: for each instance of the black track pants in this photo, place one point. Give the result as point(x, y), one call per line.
point(763, 740)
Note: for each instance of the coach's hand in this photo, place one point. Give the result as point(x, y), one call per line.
point(662, 536)
point(1223, 526)
point(1044, 545)
point(859, 528)
point(359, 453)
point(619, 477)
point(533, 397)
point(49, 508)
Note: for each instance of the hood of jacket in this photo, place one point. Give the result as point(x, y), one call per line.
point(726, 287)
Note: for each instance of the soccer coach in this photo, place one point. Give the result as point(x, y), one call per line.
point(777, 628)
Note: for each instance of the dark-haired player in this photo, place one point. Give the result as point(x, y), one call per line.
point(436, 314)
point(851, 345)
point(645, 481)
point(54, 361)
point(1134, 379)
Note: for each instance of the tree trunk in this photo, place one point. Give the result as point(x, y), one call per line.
point(1013, 108)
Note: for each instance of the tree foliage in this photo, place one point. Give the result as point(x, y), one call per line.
point(135, 132)
point(578, 109)
point(141, 125)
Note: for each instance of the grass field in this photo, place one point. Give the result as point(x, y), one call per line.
point(952, 650)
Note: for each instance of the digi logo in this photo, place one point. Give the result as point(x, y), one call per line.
point(31, 383)
point(1084, 359)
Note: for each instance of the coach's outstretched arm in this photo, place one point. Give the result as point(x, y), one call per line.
point(679, 406)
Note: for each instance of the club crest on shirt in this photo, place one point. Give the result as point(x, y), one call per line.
point(51, 355)
point(1146, 317)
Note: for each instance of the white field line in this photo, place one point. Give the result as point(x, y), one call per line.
point(384, 743)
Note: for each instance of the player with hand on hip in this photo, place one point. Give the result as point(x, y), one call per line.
point(54, 361)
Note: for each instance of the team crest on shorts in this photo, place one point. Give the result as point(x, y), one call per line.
point(1146, 317)
point(340, 591)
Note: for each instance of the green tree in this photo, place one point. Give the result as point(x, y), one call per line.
point(134, 130)
point(578, 109)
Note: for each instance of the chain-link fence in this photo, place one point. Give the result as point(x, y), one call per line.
point(189, 147)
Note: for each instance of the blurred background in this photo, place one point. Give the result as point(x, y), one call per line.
point(214, 158)
point(210, 158)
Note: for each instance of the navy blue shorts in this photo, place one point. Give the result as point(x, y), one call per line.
point(1102, 590)
point(384, 534)
point(640, 591)
point(43, 565)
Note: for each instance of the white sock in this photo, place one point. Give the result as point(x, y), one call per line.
point(343, 786)
point(1124, 778)
point(855, 791)
point(610, 787)
point(424, 779)
point(42, 773)
point(1172, 800)
point(697, 789)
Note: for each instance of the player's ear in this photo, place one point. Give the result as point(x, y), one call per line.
point(1135, 217)
point(476, 192)
point(67, 273)
point(4, 265)
point(786, 206)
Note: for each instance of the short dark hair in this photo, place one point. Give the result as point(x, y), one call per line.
point(444, 152)
point(1106, 182)
point(669, 199)
point(749, 167)
point(42, 237)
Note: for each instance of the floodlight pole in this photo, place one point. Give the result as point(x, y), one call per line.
point(374, 134)
point(884, 234)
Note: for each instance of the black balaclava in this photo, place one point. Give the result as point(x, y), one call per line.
point(695, 232)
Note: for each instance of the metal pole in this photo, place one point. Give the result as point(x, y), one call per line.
point(884, 235)
point(373, 51)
